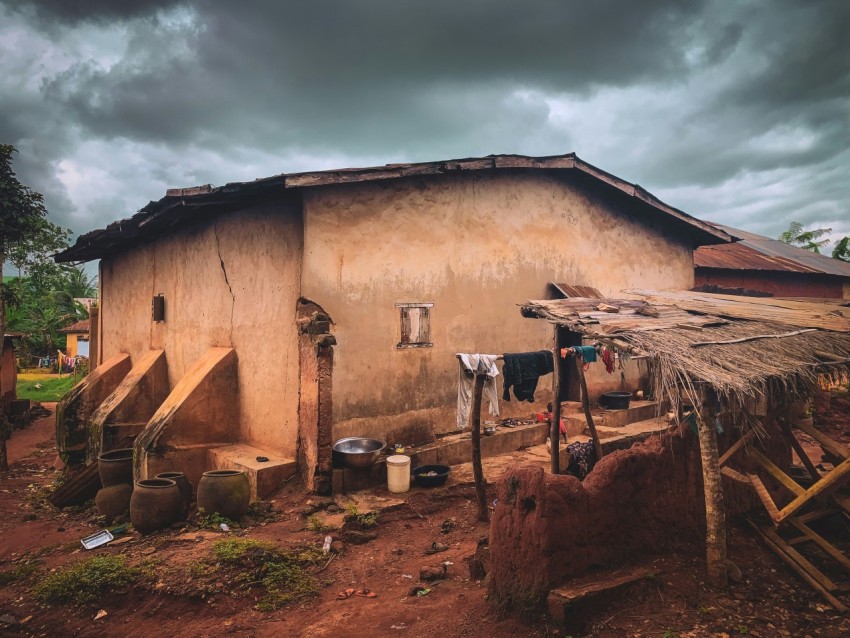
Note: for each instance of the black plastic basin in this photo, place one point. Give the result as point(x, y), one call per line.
point(616, 400)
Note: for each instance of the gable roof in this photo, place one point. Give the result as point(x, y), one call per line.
point(182, 206)
point(755, 252)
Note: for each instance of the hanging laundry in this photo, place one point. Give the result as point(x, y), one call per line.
point(582, 459)
point(522, 370)
point(482, 363)
point(608, 360)
point(588, 353)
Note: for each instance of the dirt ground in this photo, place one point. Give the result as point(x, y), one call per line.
point(770, 600)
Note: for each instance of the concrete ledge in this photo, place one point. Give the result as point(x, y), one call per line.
point(265, 476)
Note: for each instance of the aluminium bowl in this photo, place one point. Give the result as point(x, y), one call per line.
point(357, 452)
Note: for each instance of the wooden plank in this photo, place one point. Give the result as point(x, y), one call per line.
point(781, 477)
point(825, 582)
point(764, 495)
point(801, 453)
point(821, 542)
point(733, 449)
point(734, 475)
point(835, 479)
point(777, 549)
point(830, 445)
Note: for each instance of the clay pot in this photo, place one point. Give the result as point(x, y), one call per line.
point(183, 485)
point(224, 491)
point(113, 501)
point(155, 504)
point(116, 467)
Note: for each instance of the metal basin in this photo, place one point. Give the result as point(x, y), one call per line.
point(355, 451)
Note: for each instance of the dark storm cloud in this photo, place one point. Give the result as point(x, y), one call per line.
point(695, 99)
point(93, 10)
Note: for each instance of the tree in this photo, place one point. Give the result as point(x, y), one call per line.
point(807, 239)
point(842, 249)
point(26, 239)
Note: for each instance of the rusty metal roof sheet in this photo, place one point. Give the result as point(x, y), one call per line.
point(755, 252)
point(83, 326)
point(181, 206)
point(570, 290)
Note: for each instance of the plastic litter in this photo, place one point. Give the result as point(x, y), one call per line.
point(224, 527)
point(326, 546)
point(97, 539)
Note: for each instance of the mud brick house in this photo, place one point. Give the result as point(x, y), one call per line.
point(269, 318)
point(756, 264)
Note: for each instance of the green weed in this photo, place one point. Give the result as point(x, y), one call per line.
point(86, 581)
point(282, 573)
point(214, 520)
point(19, 573)
point(50, 389)
point(315, 523)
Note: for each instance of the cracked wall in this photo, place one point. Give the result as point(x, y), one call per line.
point(231, 283)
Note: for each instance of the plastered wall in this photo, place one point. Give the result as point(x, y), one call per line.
point(474, 245)
point(233, 282)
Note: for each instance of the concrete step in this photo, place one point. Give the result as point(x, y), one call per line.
point(457, 448)
point(453, 449)
point(576, 605)
point(265, 476)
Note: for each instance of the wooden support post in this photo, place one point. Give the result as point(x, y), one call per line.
point(585, 403)
point(555, 427)
point(475, 427)
point(795, 445)
point(715, 513)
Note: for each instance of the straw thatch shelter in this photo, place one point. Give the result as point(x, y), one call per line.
point(744, 348)
point(748, 359)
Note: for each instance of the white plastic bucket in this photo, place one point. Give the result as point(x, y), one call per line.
point(398, 473)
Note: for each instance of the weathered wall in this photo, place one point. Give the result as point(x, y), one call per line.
point(779, 284)
point(233, 282)
point(475, 246)
point(547, 528)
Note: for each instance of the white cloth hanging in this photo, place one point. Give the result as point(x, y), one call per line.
point(483, 364)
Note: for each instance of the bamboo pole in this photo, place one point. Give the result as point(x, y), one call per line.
point(475, 427)
point(715, 513)
point(585, 403)
point(555, 426)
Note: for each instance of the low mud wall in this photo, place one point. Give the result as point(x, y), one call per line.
point(547, 528)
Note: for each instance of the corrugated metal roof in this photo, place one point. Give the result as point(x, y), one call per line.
point(569, 291)
point(80, 326)
point(186, 205)
point(755, 252)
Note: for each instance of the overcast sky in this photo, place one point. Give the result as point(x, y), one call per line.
point(737, 112)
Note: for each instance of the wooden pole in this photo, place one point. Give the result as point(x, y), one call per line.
point(715, 513)
point(585, 403)
point(475, 426)
point(555, 427)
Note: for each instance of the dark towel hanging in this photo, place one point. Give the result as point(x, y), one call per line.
point(522, 370)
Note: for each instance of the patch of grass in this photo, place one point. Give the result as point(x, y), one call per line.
point(52, 389)
point(316, 524)
point(281, 573)
point(363, 521)
point(86, 581)
point(214, 520)
point(17, 574)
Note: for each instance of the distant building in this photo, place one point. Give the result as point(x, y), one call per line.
point(768, 266)
point(78, 338)
point(9, 372)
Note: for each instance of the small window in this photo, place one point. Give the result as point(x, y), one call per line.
point(415, 325)
point(158, 308)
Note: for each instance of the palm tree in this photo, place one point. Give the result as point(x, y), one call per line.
point(842, 249)
point(74, 283)
point(807, 239)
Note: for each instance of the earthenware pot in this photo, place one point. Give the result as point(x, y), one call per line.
point(116, 467)
point(113, 501)
point(183, 485)
point(155, 504)
point(224, 491)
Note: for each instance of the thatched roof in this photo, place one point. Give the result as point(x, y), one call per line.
point(781, 347)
